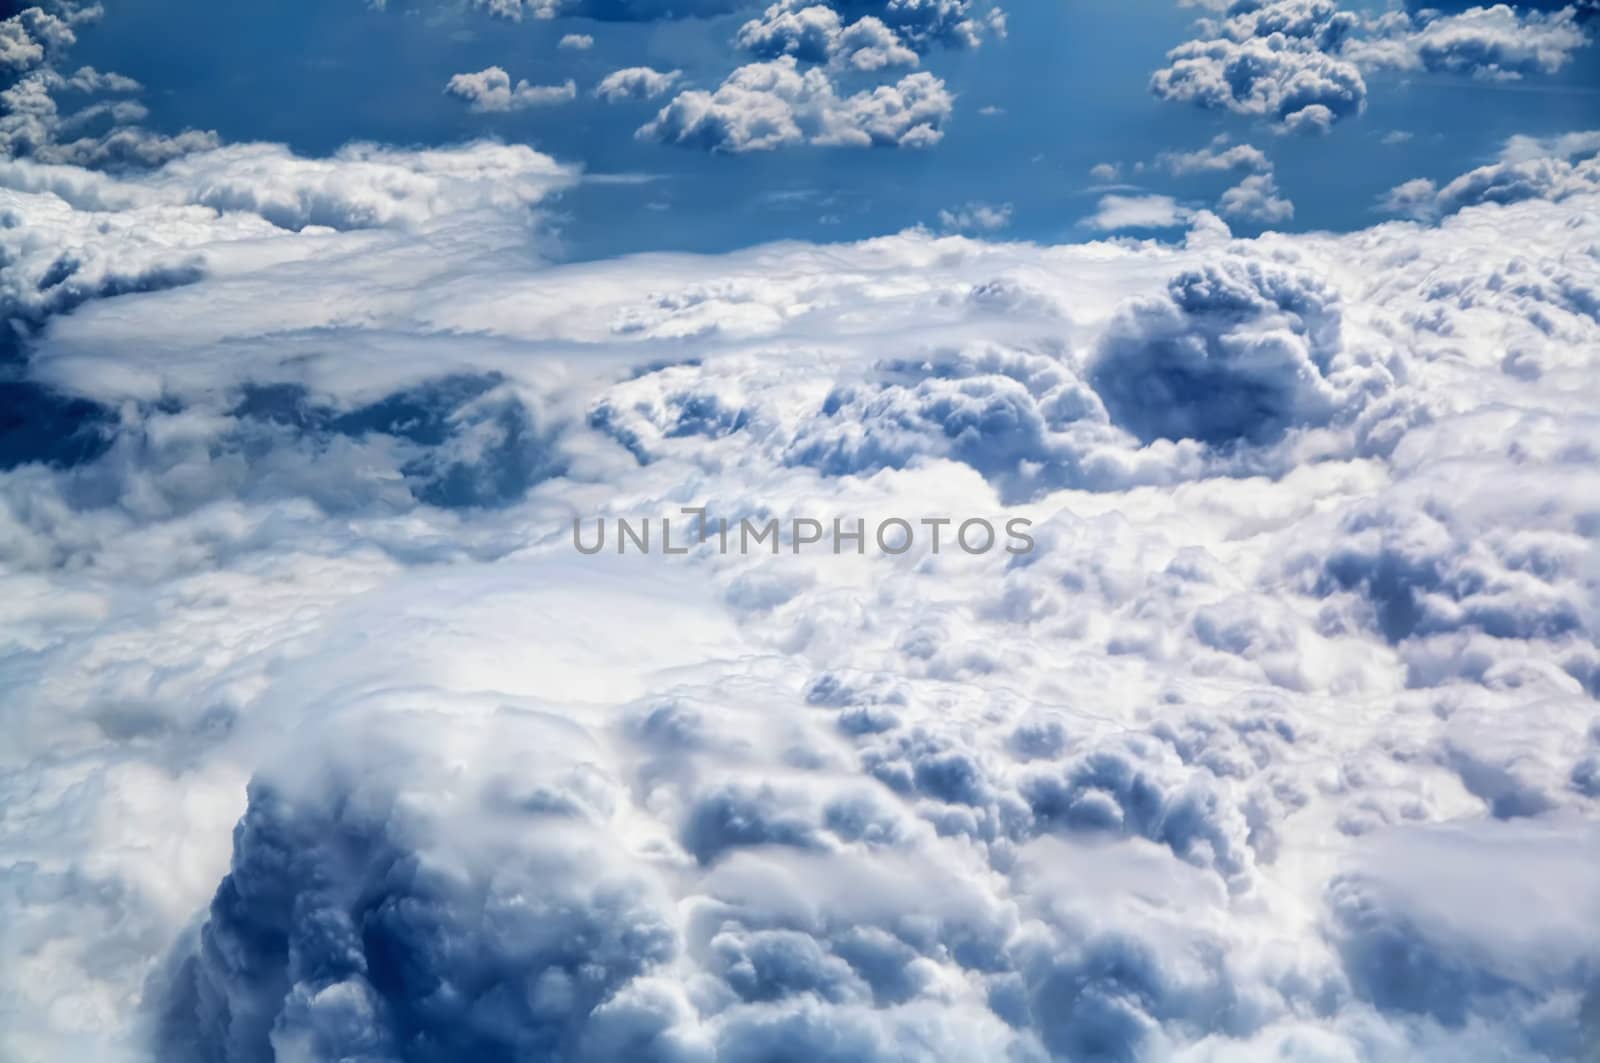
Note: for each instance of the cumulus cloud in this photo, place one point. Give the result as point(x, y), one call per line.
point(490, 90)
point(605, 10)
point(323, 743)
point(1218, 156)
point(1136, 212)
point(1256, 198)
point(1496, 43)
point(1555, 169)
point(920, 24)
point(33, 35)
point(766, 105)
point(976, 217)
point(818, 34)
point(636, 83)
point(1278, 60)
point(789, 96)
point(576, 42)
point(1300, 63)
point(32, 44)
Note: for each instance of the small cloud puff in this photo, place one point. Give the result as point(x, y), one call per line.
point(490, 91)
point(976, 217)
point(1136, 212)
point(1256, 198)
point(636, 83)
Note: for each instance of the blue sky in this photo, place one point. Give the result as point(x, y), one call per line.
point(1070, 81)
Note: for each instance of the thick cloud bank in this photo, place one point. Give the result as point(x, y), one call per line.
point(325, 744)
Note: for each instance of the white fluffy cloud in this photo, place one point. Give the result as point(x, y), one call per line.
point(771, 104)
point(791, 97)
point(1219, 156)
point(608, 10)
point(323, 742)
point(32, 42)
point(490, 90)
point(1529, 168)
point(1278, 60)
point(1300, 63)
point(1496, 43)
point(636, 83)
point(1118, 211)
point(1256, 198)
point(818, 34)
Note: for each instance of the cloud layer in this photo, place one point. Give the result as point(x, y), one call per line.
point(327, 745)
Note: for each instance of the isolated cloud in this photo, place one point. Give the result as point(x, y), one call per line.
point(1256, 198)
point(1277, 60)
point(976, 217)
point(603, 10)
point(490, 90)
point(636, 83)
point(576, 42)
point(817, 34)
point(1136, 212)
point(771, 104)
point(1218, 156)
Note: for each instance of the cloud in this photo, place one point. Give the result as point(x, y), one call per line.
point(576, 42)
point(1411, 944)
point(32, 125)
point(636, 83)
point(602, 10)
point(325, 743)
point(1569, 168)
point(365, 962)
point(1136, 212)
point(789, 96)
point(921, 24)
point(976, 217)
point(1495, 43)
point(32, 35)
point(1230, 352)
point(1521, 148)
point(1300, 63)
point(1256, 198)
point(766, 105)
point(1216, 157)
point(360, 186)
point(817, 34)
point(490, 90)
point(1278, 60)
point(924, 24)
